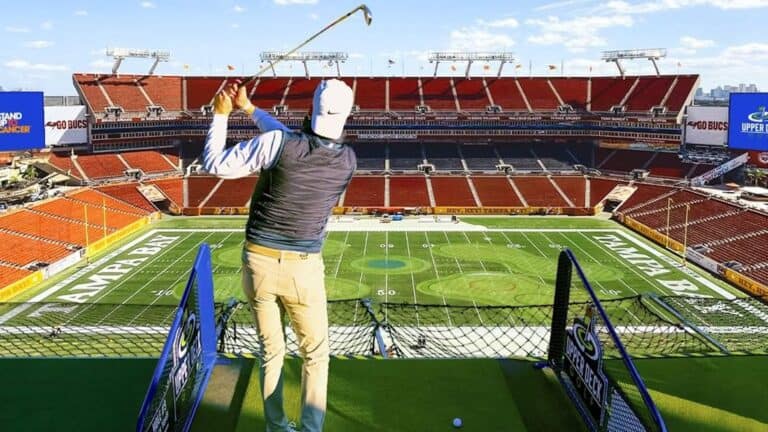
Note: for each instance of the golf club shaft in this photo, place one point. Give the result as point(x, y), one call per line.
point(310, 39)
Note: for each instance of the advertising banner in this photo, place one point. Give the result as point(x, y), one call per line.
point(21, 121)
point(65, 125)
point(748, 121)
point(707, 126)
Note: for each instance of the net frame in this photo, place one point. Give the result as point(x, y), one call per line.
point(617, 414)
point(193, 329)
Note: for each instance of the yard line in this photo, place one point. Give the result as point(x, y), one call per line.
point(532, 243)
point(454, 257)
point(413, 282)
point(386, 275)
point(135, 293)
point(434, 266)
point(470, 243)
point(457, 262)
point(362, 274)
point(112, 289)
point(651, 284)
point(448, 314)
point(181, 276)
point(341, 256)
point(535, 247)
point(598, 282)
point(478, 313)
point(602, 287)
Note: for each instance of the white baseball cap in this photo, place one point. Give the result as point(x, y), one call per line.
point(331, 107)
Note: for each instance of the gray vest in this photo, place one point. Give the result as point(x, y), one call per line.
point(294, 197)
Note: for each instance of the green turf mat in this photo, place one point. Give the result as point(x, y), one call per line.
point(400, 395)
point(711, 394)
point(72, 394)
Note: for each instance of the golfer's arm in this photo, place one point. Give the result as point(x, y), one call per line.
point(243, 158)
point(265, 122)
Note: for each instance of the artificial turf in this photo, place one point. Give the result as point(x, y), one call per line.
point(508, 266)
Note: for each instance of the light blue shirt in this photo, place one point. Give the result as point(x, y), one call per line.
point(246, 157)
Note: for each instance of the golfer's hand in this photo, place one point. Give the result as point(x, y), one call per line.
point(240, 97)
point(222, 103)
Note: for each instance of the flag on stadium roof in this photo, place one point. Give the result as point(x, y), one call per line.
point(552, 67)
point(486, 67)
point(518, 66)
point(230, 67)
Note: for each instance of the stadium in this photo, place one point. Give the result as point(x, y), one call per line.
point(485, 216)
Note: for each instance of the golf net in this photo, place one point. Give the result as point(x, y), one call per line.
point(608, 393)
point(187, 358)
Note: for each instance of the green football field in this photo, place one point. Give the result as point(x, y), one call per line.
point(482, 261)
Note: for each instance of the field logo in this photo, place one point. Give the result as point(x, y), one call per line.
point(584, 365)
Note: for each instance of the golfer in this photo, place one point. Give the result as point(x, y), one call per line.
point(302, 175)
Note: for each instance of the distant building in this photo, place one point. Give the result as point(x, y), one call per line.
point(723, 92)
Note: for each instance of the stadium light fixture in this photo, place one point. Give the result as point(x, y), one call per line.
point(332, 57)
point(471, 57)
point(652, 54)
point(119, 54)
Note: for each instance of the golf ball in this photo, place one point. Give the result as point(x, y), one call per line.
point(457, 422)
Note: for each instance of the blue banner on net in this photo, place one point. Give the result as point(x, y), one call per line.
point(187, 359)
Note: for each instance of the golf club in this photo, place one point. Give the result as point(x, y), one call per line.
point(366, 15)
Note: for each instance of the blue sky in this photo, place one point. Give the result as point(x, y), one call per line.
point(46, 41)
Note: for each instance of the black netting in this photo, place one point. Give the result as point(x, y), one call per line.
point(351, 330)
point(440, 331)
point(738, 325)
point(83, 330)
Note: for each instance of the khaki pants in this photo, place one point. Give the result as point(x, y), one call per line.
point(294, 284)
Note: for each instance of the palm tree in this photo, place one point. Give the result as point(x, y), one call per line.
point(760, 178)
point(750, 174)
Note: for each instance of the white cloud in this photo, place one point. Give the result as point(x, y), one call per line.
point(12, 29)
point(38, 44)
point(500, 23)
point(295, 2)
point(101, 64)
point(476, 39)
point(560, 4)
point(575, 34)
point(147, 5)
point(695, 44)
point(751, 52)
point(235, 26)
point(81, 13)
point(27, 66)
point(621, 6)
point(47, 25)
point(313, 16)
point(238, 9)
